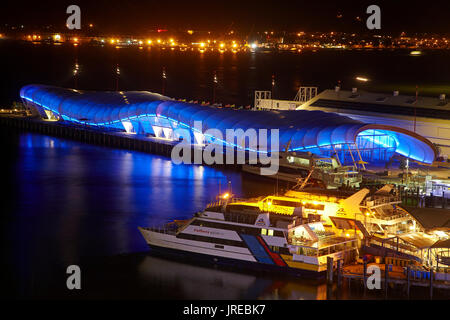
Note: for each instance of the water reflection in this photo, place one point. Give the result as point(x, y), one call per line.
point(201, 282)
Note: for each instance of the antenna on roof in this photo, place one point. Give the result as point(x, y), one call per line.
point(286, 150)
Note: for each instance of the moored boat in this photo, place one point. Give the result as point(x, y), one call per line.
point(243, 235)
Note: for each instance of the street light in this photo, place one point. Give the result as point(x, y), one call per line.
point(75, 73)
point(117, 77)
point(164, 77)
point(215, 82)
point(273, 84)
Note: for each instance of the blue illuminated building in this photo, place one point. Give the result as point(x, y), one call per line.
point(152, 114)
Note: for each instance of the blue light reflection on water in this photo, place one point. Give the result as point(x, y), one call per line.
point(75, 200)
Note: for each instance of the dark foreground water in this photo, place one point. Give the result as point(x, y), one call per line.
point(65, 202)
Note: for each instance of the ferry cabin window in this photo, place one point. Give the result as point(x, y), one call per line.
point(238, 207)
point(286, 203)
point(270, 232)
point(308, 252)
point(320, 207)
point(216, 241)
point(240, 229)
point(274, 248)
point(314, 217)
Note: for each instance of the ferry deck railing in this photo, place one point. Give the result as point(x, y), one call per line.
point(163, 229)
point(380, 200)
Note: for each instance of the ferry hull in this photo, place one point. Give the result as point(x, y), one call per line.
point(235, 264)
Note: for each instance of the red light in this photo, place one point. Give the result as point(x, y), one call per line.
point(162, 30)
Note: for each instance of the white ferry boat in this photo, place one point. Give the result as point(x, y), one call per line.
point(242, 234)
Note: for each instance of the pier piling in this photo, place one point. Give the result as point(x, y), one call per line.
point(339, 273)
point(408, 280)
point(330, 270)
point(365, 276)
point(386, 280)
point(431, 283)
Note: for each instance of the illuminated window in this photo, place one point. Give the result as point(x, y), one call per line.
point(264, 231)
point(270, 232)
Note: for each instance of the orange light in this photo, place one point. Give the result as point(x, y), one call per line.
point(225, 195)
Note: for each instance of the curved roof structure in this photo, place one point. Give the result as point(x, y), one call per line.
point(302, 130)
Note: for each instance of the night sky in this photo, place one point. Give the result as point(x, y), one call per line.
point(243, 15)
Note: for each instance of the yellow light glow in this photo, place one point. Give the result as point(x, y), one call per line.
point(140, 42)
point(57, 37)
point(112, 40)
point(225, 195)
point(190, 31)
point(202, 44)
point(269, 203)
point(75, 39)
point(347, 235)
point(222, 45)
point(159, 40)
point(234, 45)
point(362, 79)
point(149, 41)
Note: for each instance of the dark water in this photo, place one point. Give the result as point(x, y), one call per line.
point(66, 202)
point(190, 74)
